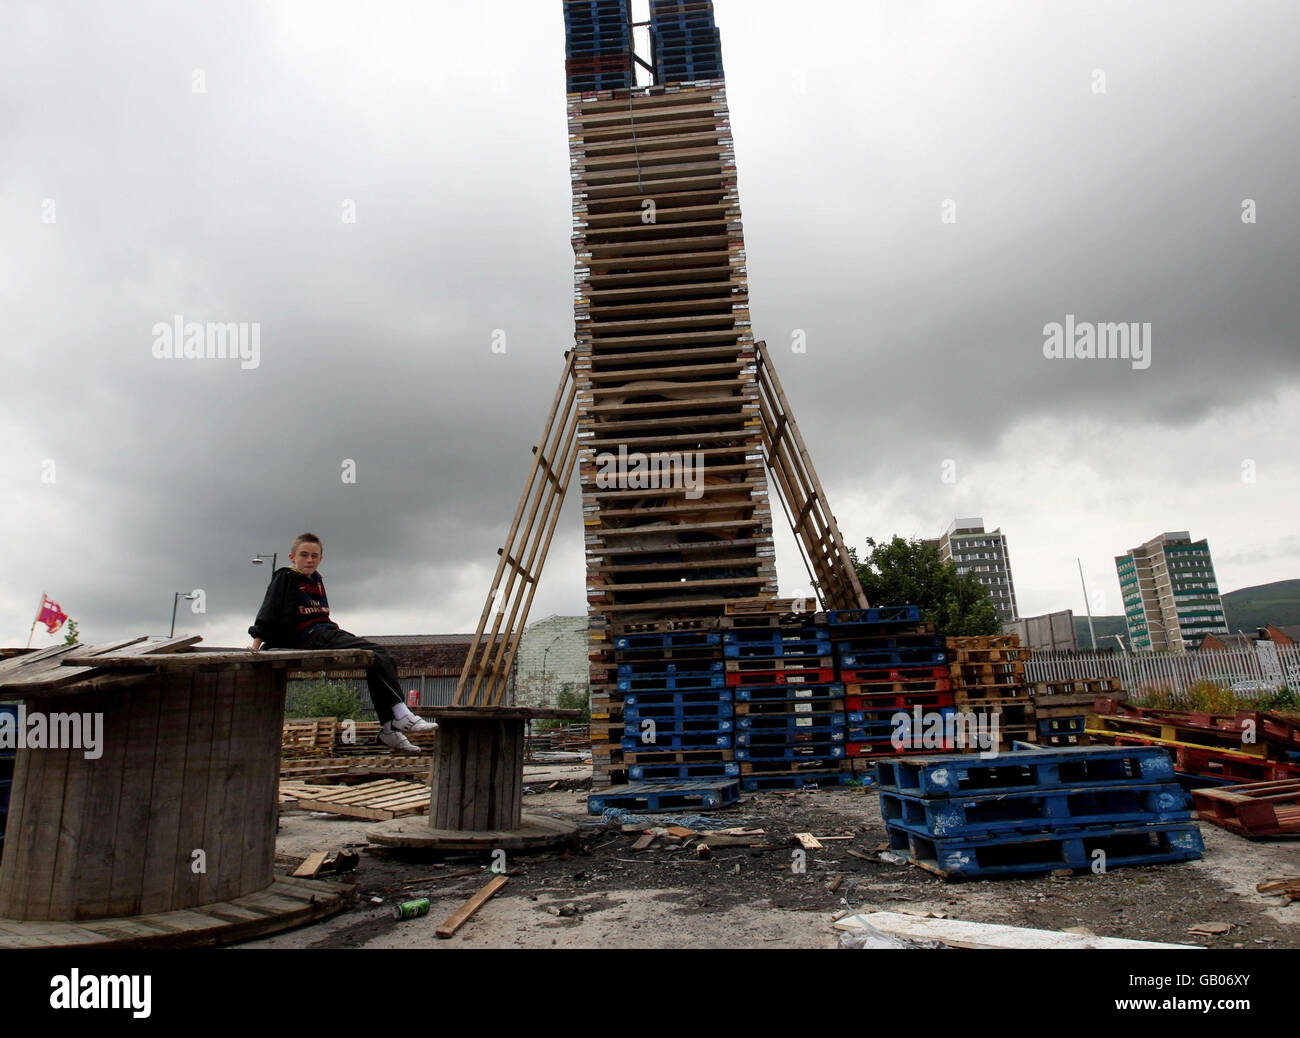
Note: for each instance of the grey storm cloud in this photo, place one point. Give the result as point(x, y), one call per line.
point(445, 124)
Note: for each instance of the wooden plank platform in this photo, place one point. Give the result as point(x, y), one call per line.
point(376, 801)
point(284, 904)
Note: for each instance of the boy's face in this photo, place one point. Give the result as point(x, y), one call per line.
point(306, 557)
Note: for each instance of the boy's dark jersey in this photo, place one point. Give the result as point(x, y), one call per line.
point(295, 607)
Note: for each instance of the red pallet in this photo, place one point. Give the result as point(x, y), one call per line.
point(897, 700)
point(781, 677)
point(1253, 810)
point(889, 675)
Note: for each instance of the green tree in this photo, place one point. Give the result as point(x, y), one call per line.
point(320, 698)
point(901, 572)
point(70, 637)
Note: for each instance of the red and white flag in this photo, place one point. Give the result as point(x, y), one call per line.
point(51, 615)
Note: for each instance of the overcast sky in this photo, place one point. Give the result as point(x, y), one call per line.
point(198, 159)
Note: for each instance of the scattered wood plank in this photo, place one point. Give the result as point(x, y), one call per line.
point(308, 869)
point(459, 917)
point(644, 843)
point(958, 933)
point(808, 841)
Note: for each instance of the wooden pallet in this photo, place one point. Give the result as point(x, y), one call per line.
point(308, 736)
point(1253, 810)
point(353, 767)
point(375, 801)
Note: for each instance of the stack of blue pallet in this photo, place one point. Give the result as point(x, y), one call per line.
point(7, 754)
point(598, 45)
point(678, 724)
point(790, 720)
point(684, 41)
point(1037, 811)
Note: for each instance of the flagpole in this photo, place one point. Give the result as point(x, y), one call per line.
point(38, 616)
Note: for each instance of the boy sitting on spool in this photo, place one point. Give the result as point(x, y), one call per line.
point(295, 614)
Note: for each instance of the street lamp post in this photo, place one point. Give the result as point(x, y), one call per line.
point(274, 557)
point(176, 598)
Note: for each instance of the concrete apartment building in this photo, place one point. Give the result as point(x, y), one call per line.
point(552, 660)
point(1171, 595)
point(983, 552)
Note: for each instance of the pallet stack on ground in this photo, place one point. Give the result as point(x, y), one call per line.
point(889, 663)
point(1061, 708)
point(678, 715)
point(1248, 746)
point(1036, 811)
point(8, 716)
point(790, 716)
point(598, 45)
point(684, 41)
point(988, 677)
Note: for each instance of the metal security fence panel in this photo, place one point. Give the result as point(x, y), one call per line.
point(1249, 672)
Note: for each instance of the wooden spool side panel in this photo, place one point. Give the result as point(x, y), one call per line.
point(39, 836)
point(188, 887)
point(218, 801)
point(78, 818)
point(229, 839)
point(468, 765)
point(484, 774)
point(441, 793)
point(158, 852)
point(17, 796)
point(132, 824)
point(261, 692)
point(86, 878)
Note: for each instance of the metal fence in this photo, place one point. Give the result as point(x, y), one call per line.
point(1266, 667)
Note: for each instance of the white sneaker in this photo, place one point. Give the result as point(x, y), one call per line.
point(414, 723)
point(398, 741)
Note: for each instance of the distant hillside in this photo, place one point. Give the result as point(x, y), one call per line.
point(1251, 607)
point(1105, 626)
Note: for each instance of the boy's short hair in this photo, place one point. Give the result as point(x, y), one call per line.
point(306, 538)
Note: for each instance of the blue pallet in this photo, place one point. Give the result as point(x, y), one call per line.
point(1056, 810)
point(676, 725)
point(1020, 853)
point(587, 85)
point(678, 741)
point(879, 615)
point(772, 693)
point(827, 751)
point(757, 783)
point(965, 774)
point(896, 642)
point(777, 649)
point(1062, 725)
point(791, 722)
point(684, 639)
point(687, 668)
point(673, 772)
point(863, 660)
point(747, 635)
point(790, 737)
point(655, 797)
point(670, 682)
point(662, 713)
point(682, 697)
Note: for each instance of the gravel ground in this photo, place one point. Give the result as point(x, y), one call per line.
point(602, 894)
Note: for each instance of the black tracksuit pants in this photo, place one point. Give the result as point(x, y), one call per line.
point(381, 676)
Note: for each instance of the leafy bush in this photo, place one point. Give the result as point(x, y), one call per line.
point(322, 699)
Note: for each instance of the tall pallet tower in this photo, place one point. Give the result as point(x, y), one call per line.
point(670, 410)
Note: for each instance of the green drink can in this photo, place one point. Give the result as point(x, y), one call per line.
point(411, 909)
